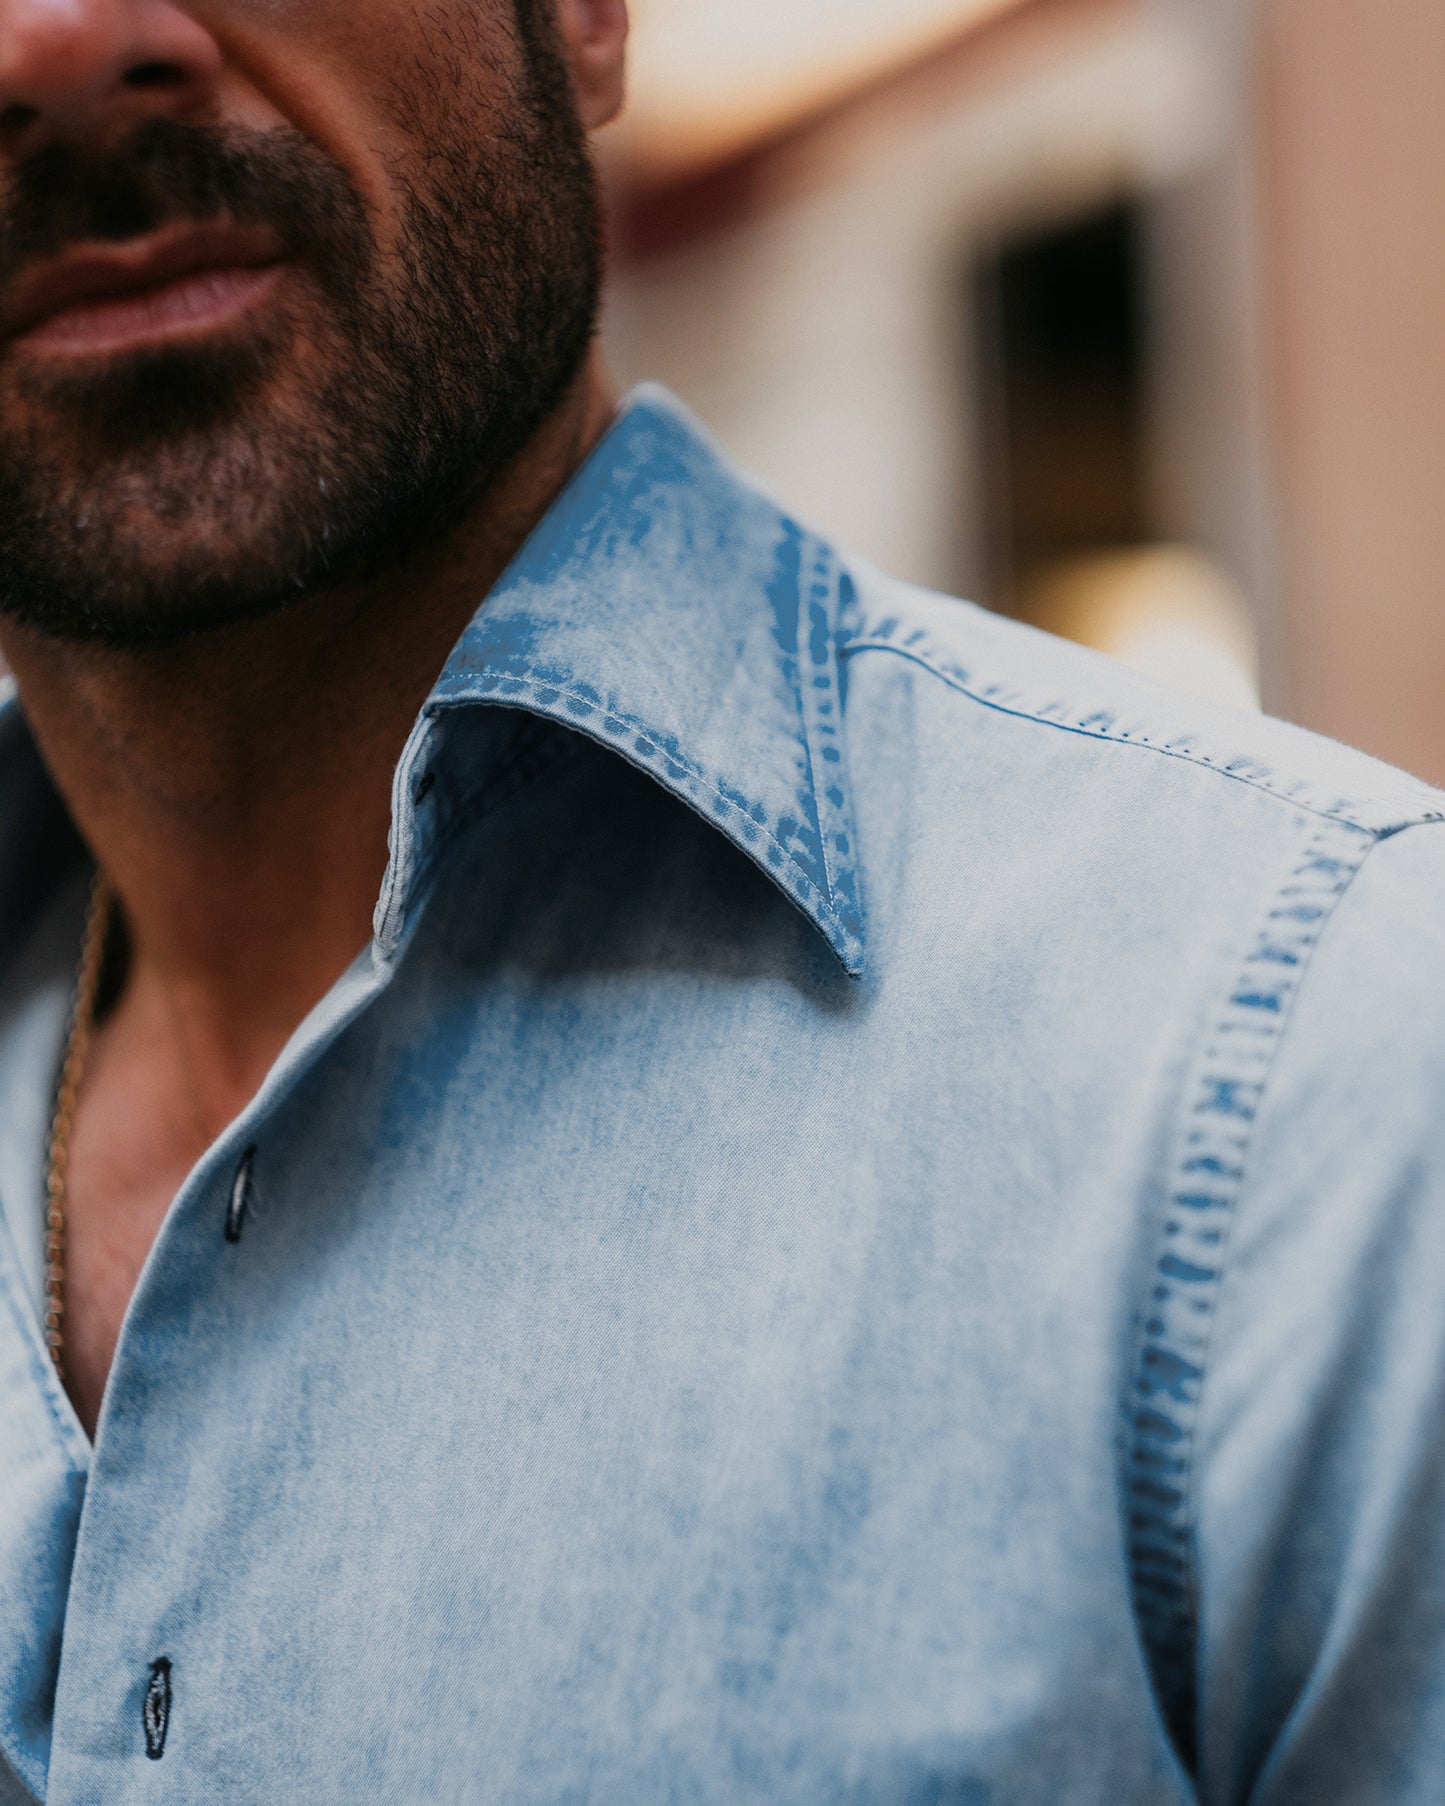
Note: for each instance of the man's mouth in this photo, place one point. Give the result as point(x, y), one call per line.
point(99, 300)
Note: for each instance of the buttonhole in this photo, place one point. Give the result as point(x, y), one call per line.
point(156, 1713)
point(239, 1201)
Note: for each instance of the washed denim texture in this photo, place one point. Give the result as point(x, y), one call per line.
point(869, 1229)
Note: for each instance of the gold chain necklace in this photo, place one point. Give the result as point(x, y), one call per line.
point(72, 1070)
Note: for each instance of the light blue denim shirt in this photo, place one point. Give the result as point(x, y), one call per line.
point(869, 1229)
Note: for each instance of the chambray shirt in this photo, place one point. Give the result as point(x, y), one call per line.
point(870, 1228)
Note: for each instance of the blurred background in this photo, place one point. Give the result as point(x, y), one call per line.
point(1123, 316)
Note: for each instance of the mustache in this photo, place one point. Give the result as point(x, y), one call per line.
point(174, 173)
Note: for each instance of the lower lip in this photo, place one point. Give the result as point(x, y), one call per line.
point(203, 302)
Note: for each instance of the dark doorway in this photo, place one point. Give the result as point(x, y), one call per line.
point(1063, 323)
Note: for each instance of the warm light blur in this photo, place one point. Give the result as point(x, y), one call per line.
point(1164, 611)
point(708, 77)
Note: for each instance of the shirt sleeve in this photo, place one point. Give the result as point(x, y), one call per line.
point(1319, 1487)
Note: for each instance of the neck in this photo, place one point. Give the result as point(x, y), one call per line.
point(237, 788)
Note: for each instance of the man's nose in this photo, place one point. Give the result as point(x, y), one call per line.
point(87, 70)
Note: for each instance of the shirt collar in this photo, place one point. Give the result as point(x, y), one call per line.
point(667, 609)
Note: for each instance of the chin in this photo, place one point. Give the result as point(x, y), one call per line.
point(176, 533)
point(158, 572)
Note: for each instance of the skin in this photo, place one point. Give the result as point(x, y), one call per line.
point(236, 786)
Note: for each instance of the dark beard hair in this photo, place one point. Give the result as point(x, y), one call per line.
point(428, 384)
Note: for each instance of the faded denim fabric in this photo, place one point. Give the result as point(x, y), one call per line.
point(870, 1229)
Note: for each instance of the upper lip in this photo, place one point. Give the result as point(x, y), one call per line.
point(98, 273)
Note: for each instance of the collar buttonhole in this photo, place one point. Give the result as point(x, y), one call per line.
point(239, 1202)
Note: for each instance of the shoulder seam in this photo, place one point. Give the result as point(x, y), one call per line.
point(1419, 821)
point(1220, 1103)
point(1372, 816)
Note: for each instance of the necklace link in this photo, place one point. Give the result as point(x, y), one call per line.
point(62, 1122)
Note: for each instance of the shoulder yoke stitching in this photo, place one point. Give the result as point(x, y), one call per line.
point(1221, 1104)
point(1102, 724)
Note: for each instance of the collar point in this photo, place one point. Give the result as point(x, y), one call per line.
point(844, 936)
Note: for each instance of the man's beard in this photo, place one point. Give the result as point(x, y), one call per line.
point(183, 488)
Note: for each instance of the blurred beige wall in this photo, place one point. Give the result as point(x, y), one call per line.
point(823, 332)
point(1353, 105)
point(1291, 158)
